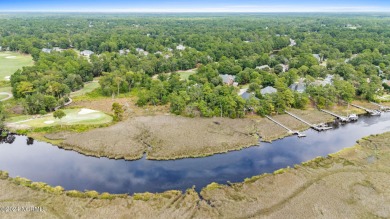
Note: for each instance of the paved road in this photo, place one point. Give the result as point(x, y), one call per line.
point(7, 98)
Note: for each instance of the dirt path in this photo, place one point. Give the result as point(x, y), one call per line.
point(6, 93)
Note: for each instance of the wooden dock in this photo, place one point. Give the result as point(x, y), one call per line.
point(382, 108)
point(371, 112)
point(341, 118)
point(285, 127)
point(315, 127)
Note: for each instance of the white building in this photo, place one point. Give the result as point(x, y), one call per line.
point(180, 47)
point(46, 50)
point(86, 53)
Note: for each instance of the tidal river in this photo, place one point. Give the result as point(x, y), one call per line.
point(42, 162)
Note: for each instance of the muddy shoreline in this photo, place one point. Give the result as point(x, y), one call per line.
point(166, 137)
point(351, 183)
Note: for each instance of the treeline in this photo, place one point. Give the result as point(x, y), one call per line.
point(352, 48)
point(49, 82)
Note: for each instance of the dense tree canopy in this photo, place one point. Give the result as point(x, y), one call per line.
point(130, 50)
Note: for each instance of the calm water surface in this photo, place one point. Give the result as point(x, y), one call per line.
point(43, 162)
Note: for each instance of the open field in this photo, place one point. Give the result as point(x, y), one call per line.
point(385, 98)
point(12, 61)
point(6, 89)
point(104, 104)
point(352, 183)
point(3, 96)
point(5, 93)
point(183, 74)
point(88, 87)
point(73, 117)
point(347, 110)
point(165, 137)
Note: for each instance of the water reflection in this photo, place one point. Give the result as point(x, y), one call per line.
point(40, 161)
point(8, 139)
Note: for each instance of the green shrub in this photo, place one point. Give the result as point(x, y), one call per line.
point(91, 194)
point(106, 195)
point(75, 194)
point(38, 185)
point(213, 186)
point(4, 175)
point(55, 190)
point(280, 171)
point(143, 196)
point(22, 181)
point(251, 180)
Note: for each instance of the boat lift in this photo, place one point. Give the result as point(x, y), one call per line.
point(350, 118)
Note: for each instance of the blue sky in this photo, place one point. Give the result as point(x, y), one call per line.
point(196, 6)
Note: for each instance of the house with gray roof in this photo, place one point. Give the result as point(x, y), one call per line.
point(268, 90)
point(292, 42)
point(57, 49)
point(46, 50)
point(247, 96)
point(142, 51)
point(380, 72)
point(299, 86)
point(327, 80)
point(180, 47)
point(318, 57)
point(86, 53)
point(263, 67)
point(228, 79)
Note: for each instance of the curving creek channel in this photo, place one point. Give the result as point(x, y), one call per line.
point(42, 162)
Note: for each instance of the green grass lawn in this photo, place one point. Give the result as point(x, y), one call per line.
point(385, 97)
point(73, 117)
point(12, 61)
point(185, 74)
point(88, 87)
point(2, 96)
point(6, 89)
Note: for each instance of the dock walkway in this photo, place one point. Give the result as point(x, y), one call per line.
point(383, 108)
point(341, 118)
point(285, 127)
point(315, 127)
point(371, 112)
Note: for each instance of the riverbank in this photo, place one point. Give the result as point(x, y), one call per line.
point(349, 184)
point(166, 137)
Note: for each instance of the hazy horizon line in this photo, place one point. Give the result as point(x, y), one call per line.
point(221, 9)
point(123, 11)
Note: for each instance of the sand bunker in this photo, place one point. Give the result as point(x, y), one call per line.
point(86, 111)
point(7, 78)
point(10, 57)
point(49, 122)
